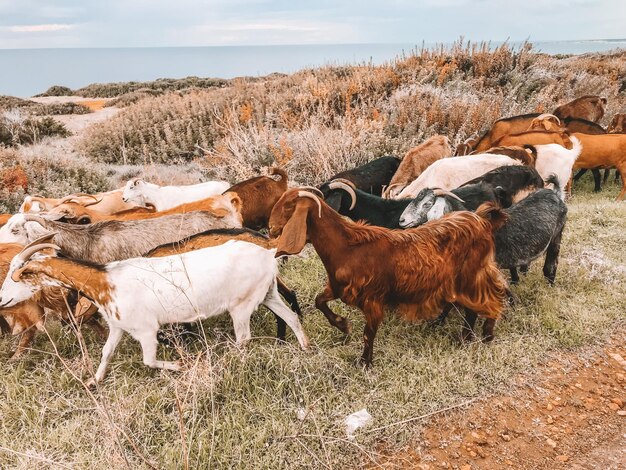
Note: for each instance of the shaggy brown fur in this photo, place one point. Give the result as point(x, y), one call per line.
point(418, 270)
point(589, 107)
point(258, 196)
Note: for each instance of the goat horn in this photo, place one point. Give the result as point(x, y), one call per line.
point(314, 197)
point(96, 201)
point(313, 189)
point(44, 239)
point(388, 190)
point(548, 115)
point(34, 218)
point(345, 181)
point(337, 184)
point(445, 192)
point(26, 254)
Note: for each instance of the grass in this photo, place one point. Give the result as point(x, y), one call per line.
point(237, 408)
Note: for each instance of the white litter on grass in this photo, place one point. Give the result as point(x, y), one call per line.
point(301, 414)
point(355, 421)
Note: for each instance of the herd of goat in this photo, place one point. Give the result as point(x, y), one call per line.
point(420, 234)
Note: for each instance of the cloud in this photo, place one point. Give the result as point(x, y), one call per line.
point(39, 28)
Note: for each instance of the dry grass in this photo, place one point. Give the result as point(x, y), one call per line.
point(237, 407)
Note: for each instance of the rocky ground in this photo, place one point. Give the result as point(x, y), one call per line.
point(573, 417)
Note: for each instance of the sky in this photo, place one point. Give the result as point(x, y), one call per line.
point(145, 23)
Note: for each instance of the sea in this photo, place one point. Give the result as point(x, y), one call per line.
point(26, 72)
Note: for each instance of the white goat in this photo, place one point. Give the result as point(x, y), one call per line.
point(450, 173)
point(141, 294)
point(142, 193)
point(554, 159)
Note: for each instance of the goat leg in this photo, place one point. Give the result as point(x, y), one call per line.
point(24, 343)
point(607, 172)
point(4, 326)
point(441, 319)
point(373, 318)
point(321, 302)
point(580, 174)
point(488, 326)
point(514, 275)
point(292, 300)
point(552, 258)
point(467, 332)
point(596, 180)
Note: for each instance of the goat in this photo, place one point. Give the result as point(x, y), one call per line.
point(466, 147)
point(142, 193)
point(227, 206)
point(104, 203)
point(526, 154)
point(346, 199)
point(556, 160)
point(258, 196)
point(450, 173)
point(236, 277)
point(589, 107)
point(219, 237)
point(503, 127)
point(535, 138)
point(113, 240)
point(431, 204)
point(28, 317)
point(371, 177)
point(417, 270)
point(603, 151)
point(416, 161)
point(517, 182)
point(534, 226)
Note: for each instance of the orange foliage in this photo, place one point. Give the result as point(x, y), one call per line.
point(14, 178)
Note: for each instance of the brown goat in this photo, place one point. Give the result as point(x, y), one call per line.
point(503, 127)
point(617, 125)
point(589, 107)
point(415, 161)
point(419, 270)
point(526, 154)
point(104, 203)
point(258, 196)
point(466, 147)
point(603, 151)
point(535, 137)
point(219, 206)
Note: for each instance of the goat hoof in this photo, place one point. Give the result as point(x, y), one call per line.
point(91, 384)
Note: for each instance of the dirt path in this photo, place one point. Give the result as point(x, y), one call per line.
point(573, 417)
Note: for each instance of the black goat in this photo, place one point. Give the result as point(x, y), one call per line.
point(371, 177)
point(346, 199)
point(516, 180)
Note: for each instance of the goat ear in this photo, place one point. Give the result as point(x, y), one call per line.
point(34, 229)
point(293, 238)
point(235, 200)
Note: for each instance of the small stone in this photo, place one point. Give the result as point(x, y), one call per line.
point(475, 435)
point(508, 462)
point(617, 357)
point(614, 406)
point(473, 454)
point(550, 420)
point(549, 407)
point(506, 437)
point(551, 443)
point(423, 466)
point(465, 467)
point(618, 402)
point(578, 386)
point(562, 458)
point(621, 413)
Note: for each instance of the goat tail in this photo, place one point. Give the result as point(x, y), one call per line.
point(279, 172)
point(577, 147)
point(493, 213)
point(554, 181)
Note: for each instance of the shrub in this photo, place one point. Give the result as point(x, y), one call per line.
point(57, 90)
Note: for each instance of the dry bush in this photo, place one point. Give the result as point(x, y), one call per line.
point(319, 121)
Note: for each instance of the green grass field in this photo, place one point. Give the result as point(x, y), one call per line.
point(238, 407)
